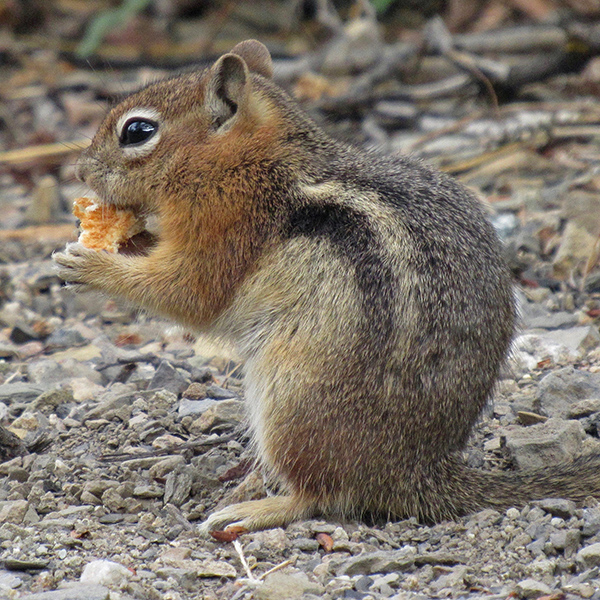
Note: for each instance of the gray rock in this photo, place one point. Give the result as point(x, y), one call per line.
point(546, 443)
point(114, 400)
point(566, 540)
point(13, 511)
point(169, 378)
point(75, 592)
point(9, 581)
point(591, 521)
point(382, 561)
point(584, 408)
point(530, 588)
point(287, 586)
point(589, 556)
point(534, 316)
point(63, 338)
point(178, 486)
point(454, 578)
point(105, 572)
point(225, 414)
point(219, 393)
point(578, 339)
point(560, 389)
point(194, 407)
point(558, 507)
point(214, 568)
point(19, 392)
point(50, 400)
point(22, 333)
point(46, 371)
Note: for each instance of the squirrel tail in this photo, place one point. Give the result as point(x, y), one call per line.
point(452, 489)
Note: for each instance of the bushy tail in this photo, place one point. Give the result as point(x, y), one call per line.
point(452, 489)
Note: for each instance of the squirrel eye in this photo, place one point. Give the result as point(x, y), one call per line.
point(137, 131)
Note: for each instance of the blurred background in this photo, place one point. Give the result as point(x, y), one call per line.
point(501, 93)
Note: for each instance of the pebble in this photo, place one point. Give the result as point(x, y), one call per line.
point(74, 592)
point(558, 390)
point(287, 586)
point(225, 414)
point(530, 588)
point(12, 393)
point(551, 442)
point(169, 378)
point(589, 556)
point(378, 562)
point(105, 572)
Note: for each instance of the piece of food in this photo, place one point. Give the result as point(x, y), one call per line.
point(104, 227)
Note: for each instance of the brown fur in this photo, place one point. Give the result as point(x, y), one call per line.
point(366, 294)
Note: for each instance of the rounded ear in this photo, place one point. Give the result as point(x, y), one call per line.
point(257, 57)
point(226, 87)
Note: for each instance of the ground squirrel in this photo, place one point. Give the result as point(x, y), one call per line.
point(365, 293)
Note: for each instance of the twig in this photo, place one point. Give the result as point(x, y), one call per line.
point(23, 155)
point(240, 551)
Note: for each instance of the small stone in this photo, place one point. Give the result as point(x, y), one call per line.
point(287, 586)
point(22, 333)
point(45, 202)
point(566, 540)
point(195, 391)
point(49, 401)
point(165, 466)
point(113, 501)
point(382, 561)
point(19, 392)
point(147, 491)
point(513, 514)
point(74, 592)
point(194, 408)
point(8, 581)
point(169, 378)
point(560, 389)
point(178, 486)
point(529, 418)
point(530, 588)
point(584, 408)
point(63, 338)
point(176, 557)
point(591, 521)
point(84, 390)
point(589, 556)
point(214, 568)
point(25, 564)
point(225, 414)
point(547, 443)
point(558, 507)
point(579, 340)
point(219, 393)
point(13, 511)
point(105, 572)
point(452, 579)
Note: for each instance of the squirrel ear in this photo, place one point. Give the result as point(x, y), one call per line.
point(257, 57)
point(226, 87)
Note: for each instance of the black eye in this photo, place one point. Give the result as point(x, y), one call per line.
point(137, 131)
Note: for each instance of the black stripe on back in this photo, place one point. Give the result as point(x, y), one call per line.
point(352, 237)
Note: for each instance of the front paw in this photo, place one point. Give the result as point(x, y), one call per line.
point(78, 266)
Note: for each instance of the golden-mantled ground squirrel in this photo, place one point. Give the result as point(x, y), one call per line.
point(365, 293)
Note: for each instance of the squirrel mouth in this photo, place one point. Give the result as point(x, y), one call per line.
point(144, 241)
point(140, 244)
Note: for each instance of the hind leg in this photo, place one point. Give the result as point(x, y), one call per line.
point(276, 511)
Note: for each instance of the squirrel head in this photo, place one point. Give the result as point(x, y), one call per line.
point(166, 141)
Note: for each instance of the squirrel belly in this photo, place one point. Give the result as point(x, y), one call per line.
point(366, 294)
